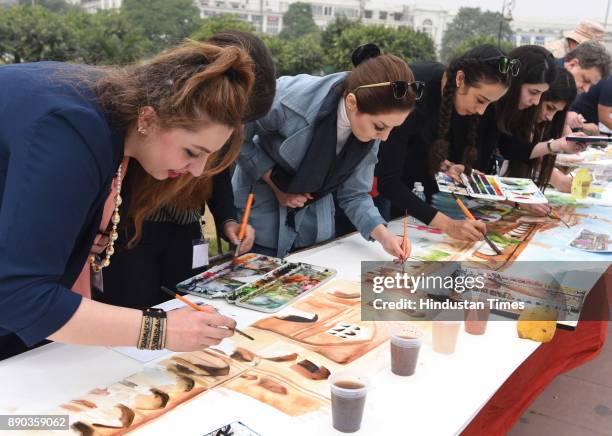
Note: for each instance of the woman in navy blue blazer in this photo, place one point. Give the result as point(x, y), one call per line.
point(64, 132)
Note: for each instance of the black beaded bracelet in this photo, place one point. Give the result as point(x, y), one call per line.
point(152, 329)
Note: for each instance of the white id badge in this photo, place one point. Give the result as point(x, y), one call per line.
point(200, 253)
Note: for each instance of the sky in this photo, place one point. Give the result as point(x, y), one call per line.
point(545, 10)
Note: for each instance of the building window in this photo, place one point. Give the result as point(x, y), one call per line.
point(398, 16)
point(525, 39)
point(347, 12)
point(367, 14)
point(540, 40)
point(382, 15)
point(317, 10)
point(328, 10)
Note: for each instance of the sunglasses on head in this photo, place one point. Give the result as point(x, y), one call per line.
point(400, 88)
point(506, 65)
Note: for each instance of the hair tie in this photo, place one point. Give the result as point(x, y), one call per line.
point(364, 52)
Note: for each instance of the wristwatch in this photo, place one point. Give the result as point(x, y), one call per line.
point(548, 145)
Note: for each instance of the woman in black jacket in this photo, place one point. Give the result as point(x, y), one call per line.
point(452, 129)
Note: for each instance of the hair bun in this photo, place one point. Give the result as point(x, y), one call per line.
point(363, 52)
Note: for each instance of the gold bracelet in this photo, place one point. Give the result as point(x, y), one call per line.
point(152, 330)
point(145, 332)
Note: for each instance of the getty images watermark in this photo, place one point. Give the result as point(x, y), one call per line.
point(425, 290)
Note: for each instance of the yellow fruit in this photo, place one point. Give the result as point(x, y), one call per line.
point(538, 324)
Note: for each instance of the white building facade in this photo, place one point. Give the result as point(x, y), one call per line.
point(267, 15)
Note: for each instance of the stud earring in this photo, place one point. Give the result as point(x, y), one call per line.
point(142, 130)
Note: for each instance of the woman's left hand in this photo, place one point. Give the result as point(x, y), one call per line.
point(570, 147)
point(231, 229)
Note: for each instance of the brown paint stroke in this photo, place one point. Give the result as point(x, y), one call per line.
point(86, 403)
point(243, 355)
point(286, 358)
point(127, 417)
point(272, 386)
point(310, 370)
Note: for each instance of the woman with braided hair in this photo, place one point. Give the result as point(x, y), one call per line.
point(452, 129)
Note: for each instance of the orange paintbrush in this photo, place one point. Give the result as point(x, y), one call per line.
point(245, 221)
point(198, 308)
point(469, 216)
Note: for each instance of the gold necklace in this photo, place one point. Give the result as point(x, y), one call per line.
point(113, 236)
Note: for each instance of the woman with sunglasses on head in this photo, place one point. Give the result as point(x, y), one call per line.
point(66, 135)
point(548, 126)
point(453, 127)
point(518, 111)
point(321, 138)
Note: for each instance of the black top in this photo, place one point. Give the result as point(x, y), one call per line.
point(587, 102)
point(513, 148)
point(404, 157)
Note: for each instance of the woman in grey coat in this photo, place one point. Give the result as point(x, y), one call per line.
point(320, 139)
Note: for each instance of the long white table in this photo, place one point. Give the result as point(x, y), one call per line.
point(443, 396)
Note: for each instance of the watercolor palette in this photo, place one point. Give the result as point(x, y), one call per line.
point(262, 283)
point(494, 188)
point(224, 279)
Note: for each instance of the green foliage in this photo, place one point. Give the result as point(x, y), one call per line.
point(215, 24)
point(33, 33)
point(330, 35)
point(297, 21)
point(107, 38)
point(470, 23)
point(404, 42)
point(464, 46)
point(297, 56)
point(164, 22)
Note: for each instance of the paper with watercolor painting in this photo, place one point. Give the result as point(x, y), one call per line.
point(286, 367)
point(588, 240)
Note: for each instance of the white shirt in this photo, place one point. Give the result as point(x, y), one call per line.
point(343, 127)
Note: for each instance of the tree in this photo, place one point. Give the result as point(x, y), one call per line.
point(297, 21)
point(470, 23)
point(404, 42)
point(33, 33)
point(297, 56)
point(302, 55)
point(164, 22)
point(215, 24)
point(464, 46)
point(330, 34)
point(107, 38)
